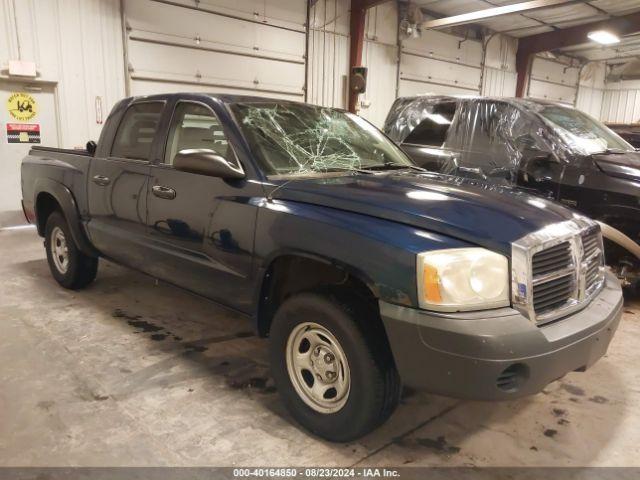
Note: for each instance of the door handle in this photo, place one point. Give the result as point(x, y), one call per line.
point(101, 180)
point(161, 191)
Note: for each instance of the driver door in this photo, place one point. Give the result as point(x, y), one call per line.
point(200, 234)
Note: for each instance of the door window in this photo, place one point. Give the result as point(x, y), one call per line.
point(137, 130)
point(432, 131)
point(195, 126)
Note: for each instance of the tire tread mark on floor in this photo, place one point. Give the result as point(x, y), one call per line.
point(136, 380)
point(409, 432)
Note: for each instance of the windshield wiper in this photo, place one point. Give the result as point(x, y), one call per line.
point(345, 169)
point(395, 166)
point(614, 151)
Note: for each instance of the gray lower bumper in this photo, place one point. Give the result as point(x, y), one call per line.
point(498, 354)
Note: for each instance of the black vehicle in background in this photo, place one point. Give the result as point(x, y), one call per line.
point(630, 132)
point(546, 148)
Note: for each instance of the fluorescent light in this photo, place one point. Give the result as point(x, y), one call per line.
point(604, 37)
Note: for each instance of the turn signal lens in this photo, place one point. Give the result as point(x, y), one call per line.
point(462, 279)
point(432, 284)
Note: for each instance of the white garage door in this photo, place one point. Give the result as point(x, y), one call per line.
point(251, 47)
point(553, 80)
point(440, 63)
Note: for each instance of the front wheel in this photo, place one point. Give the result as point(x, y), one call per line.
point(69, 266)
point(335, 377)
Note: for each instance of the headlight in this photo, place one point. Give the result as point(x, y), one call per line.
point(462, 279)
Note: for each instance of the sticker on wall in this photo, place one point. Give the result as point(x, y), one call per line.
point(23, 132)
point(22, 106)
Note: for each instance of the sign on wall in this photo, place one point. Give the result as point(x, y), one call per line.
point(23, 133)
point(22, 106)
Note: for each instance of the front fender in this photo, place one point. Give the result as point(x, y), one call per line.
point(381, 253)
point(69, 207)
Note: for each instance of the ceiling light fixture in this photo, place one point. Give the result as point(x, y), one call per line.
point(604, 37)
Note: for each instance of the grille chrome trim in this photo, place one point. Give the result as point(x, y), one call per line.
point(586, 271)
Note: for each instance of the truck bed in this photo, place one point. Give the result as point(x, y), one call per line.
point(64, 168)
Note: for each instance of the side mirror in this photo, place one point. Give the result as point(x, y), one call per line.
point(91, 147)
point(206, 162)
point(540, 167)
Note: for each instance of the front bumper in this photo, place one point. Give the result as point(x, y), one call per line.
point(498, 354)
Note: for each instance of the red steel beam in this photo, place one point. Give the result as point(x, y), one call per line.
point(358, 15)
point(567, 37)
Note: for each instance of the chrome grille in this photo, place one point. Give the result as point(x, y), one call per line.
point(552, 294)
point(557, 270)
point(553, 277)
point(552, 259)
point(593, 257)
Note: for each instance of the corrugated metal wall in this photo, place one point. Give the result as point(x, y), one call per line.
point(499, 75)
point(621, 102)
point(328, 65)
point(380, 55)
point(77, 46)
point(591, 90)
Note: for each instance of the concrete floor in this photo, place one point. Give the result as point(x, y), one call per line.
point(130, 372)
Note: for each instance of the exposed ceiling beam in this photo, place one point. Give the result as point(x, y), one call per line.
point(567, 37)
point(597, 9)
point(373, 3)
point(557, 24)
point(586, 49)
point(474, 17)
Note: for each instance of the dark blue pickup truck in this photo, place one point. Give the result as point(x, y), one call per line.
point(365, 271)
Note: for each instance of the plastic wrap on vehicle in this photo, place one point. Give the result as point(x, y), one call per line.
point(486, 138)
point(486, 134)
point(407, 113)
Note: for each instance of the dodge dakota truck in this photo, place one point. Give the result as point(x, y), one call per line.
point(366, 272)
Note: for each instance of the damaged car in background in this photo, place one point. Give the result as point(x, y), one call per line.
point(544, 148)
point(630, 132)
point(364, 271)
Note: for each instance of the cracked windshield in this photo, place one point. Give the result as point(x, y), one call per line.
point(296, 139)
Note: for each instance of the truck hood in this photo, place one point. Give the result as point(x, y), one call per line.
point(624, 165)
point(472, 211)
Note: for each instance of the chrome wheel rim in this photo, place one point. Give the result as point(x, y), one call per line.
point(318, 367)
point(59, 250)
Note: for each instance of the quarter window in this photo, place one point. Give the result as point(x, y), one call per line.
point(137, 130)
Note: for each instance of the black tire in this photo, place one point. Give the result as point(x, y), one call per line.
point(375, 385)
point(81, 269)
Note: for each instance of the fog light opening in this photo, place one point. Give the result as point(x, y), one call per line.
point(512, 377)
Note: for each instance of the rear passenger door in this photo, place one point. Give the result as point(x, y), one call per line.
point(200, 227)
point(117, 186)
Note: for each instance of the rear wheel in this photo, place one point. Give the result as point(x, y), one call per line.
point(336, 377)
point(69, 266)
